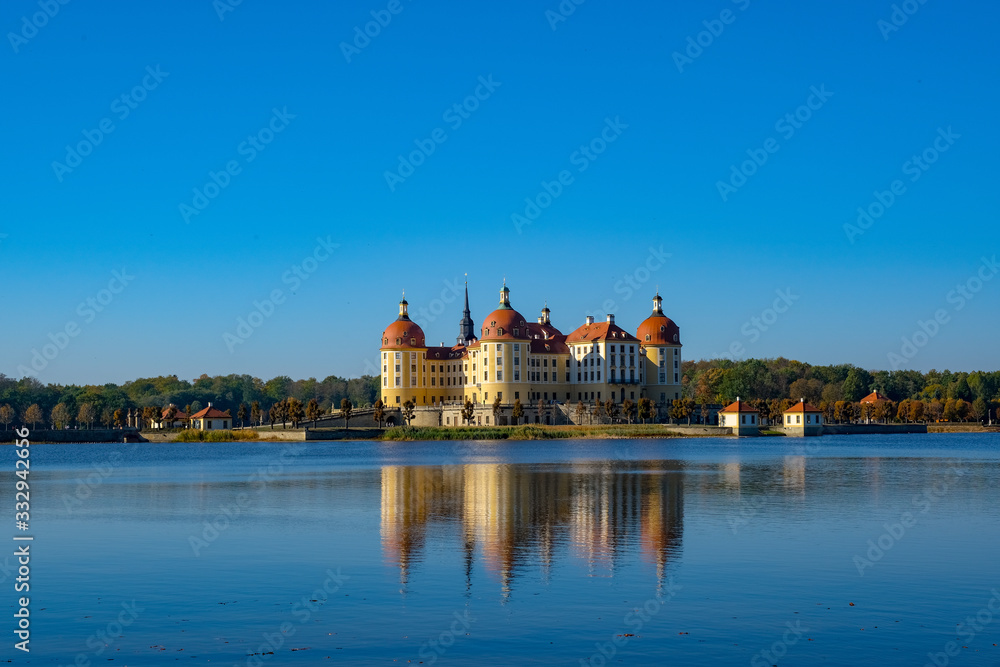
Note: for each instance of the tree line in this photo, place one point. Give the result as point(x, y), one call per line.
point(772, 385)
point(28, 401)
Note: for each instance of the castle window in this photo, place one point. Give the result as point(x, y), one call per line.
point(500, 331)
point(675, 338)
point(413, 342)
point(648, 337)
point(515, 332)
point(397, 341)
point(662, 328)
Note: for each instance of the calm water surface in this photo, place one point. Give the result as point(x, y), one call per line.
point(837, 550)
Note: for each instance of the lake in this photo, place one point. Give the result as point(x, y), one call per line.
point(845, 550)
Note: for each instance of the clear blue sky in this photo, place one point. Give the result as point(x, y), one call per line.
point(656, 184)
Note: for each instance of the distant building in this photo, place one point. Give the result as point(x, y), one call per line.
point(179, 419)
point(210, 419)
point(803, 419)
point(515, 359)
point(874, 397)
point(743, 419)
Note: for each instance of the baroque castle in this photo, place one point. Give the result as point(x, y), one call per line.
point(514, 359)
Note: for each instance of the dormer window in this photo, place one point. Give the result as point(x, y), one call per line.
point(500, 331)
point(648, 337)
point(676, 338)
point(662, 328)
point(397, 341)
point(413, 342)
point(493, 323)
point(516, 330)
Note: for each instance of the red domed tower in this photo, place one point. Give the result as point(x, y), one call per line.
point(661, 343)
point(403, 350)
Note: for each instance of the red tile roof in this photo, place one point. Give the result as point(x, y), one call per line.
point(874, 397)
point(803, 407)
point(739, 406)
point(210, 413)
point(556, 345)
point(605, 331)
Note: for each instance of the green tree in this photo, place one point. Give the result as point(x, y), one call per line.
point(6, 415)
point(60, 416)
point(379, 412)
point(294, 413)
point(468, 411)
point(517, 411)
point(241, 414)
point(628, 410)
point(346, 408)
point(408, 410)
point(645, 409)
point(313, 411)
point(87, 414)
point(979, 408)
point(32, 415)
point(611, 409)
point(255, 413)
point(107, 417)
point(856, 385)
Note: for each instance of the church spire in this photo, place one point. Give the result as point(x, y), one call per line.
point(466, 327)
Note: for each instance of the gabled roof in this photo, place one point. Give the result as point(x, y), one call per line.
point(874, 397)
point(180, 414)
point(739, 406)
point(210, 413)
point(555, 345)
point(802, 406)
point(606, 331)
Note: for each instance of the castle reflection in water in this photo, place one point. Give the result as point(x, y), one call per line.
point(515, 517)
